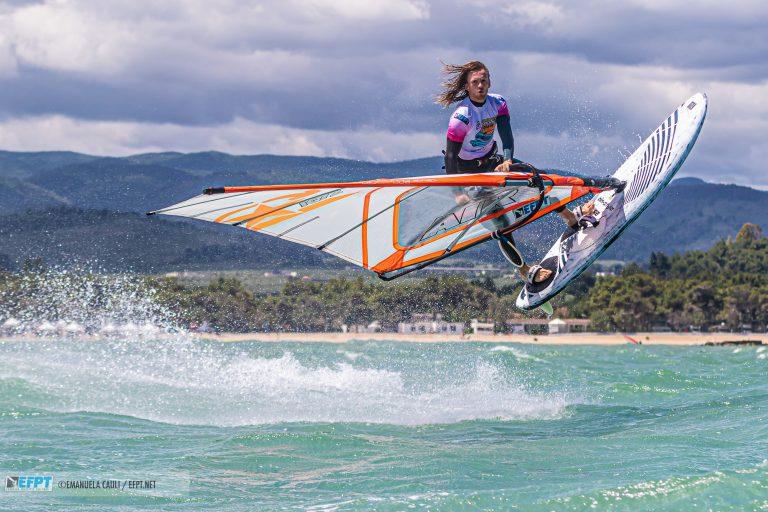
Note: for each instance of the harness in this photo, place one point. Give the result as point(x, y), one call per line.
point(484, 163)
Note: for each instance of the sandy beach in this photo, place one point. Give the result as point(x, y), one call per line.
point(646, 338)
point(649, 338)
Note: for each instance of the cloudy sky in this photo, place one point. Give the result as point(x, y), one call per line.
point(584, 79)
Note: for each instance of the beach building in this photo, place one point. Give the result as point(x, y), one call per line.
point(374, 326)
point(568, 325)
point(10, 326)
point(45, 328)
point(427, 323)
point(557, 326)
point(479, 327)
point(578, 324)
point(108, 329)
point(128, 329)
point(546, 326)
point(527, 325)
point(73, 329)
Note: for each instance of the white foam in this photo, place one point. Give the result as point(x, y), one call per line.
point(519, 354)
point(192, 383)
point(352, 356)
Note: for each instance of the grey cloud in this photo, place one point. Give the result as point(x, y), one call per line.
point(598, 31)
point(597, 71)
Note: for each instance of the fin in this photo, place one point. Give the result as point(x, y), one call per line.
point(510, 251)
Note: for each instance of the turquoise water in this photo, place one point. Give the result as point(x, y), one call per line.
point(386, 426)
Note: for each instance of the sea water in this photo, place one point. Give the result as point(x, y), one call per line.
point(384, 426)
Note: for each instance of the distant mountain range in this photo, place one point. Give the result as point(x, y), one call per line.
point(73, 208)
point(146, 182)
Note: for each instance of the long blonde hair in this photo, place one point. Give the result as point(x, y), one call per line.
point(454, 87)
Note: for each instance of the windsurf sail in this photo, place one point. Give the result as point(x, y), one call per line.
point(391, 226)
point(631, 340)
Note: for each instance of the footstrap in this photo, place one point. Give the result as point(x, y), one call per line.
point(584, 221)
point(531, 276)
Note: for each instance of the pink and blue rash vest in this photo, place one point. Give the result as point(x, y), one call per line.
point(474, 126)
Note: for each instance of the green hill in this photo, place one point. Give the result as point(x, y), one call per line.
point(690, 214)
point(23, 165)
point(111, 241)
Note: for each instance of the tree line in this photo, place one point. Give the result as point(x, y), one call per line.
point(723, 287)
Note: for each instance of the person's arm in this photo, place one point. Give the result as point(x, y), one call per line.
point(504, 125)
point(452, 149)
point(458, 127)
point(507, 139)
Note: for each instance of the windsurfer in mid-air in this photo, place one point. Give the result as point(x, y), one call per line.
point(470, 148)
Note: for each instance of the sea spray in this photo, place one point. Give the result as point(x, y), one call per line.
point(47, 300)
point(169, 376)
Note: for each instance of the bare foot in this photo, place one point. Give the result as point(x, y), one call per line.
point(542, 275)
point(588, 208)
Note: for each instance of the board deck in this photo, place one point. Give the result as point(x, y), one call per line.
point(646, 173)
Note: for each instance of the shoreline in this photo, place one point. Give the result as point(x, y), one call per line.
point(646, 338)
